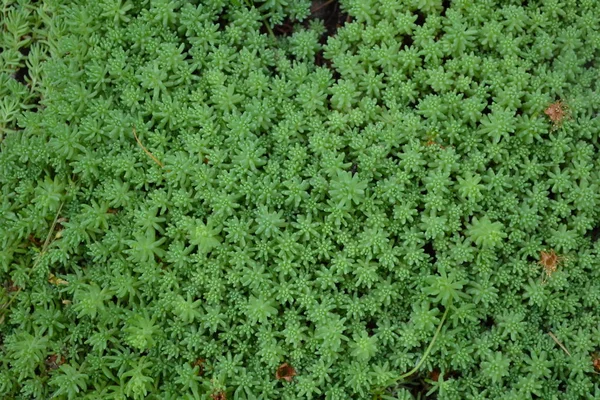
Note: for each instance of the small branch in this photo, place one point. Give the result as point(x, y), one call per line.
point(269, 29)
point(559, 343)
point(146, 150)
point(47, 241)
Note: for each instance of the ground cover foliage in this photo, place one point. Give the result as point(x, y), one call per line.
point(292, 200)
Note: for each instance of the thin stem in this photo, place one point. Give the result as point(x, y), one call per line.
point(146, 150)
point(269, 29)
point(559, 343)
point(437, 332)
point(264, 22)
point(427, 351)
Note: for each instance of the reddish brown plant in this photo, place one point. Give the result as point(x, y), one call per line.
point(435, 375)
point(549, 261)
point(596, 361)
point(219, 396)
point(285, 371)
point(558, 112)
point(54, 361)
point(34, 240)
point(200, 363)
point(10, 286)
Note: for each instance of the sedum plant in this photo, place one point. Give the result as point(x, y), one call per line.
point(213, 199)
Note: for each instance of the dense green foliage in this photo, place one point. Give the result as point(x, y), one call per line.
point(189, 200)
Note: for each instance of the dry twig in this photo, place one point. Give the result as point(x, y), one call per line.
point(559, 343)
point(146, 150)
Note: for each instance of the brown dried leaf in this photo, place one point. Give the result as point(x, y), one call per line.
point(200, 363)
point(285, 371)
point(558, 112)
point(54, 361)
point(219, 396)
point(56, 281)
point(596, 361)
